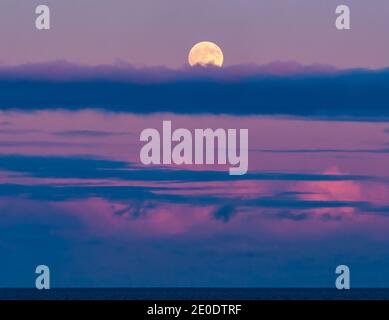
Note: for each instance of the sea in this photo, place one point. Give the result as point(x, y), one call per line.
point(194, 294)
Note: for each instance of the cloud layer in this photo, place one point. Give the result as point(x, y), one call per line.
point(315, 92)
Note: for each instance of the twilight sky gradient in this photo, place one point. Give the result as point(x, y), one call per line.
point(74, 196)
point(149, 32)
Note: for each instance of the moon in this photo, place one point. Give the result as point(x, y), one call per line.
point(205, 54)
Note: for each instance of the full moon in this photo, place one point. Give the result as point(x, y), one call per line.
point(205, 53)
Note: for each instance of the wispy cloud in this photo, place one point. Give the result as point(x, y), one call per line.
point(382, 150)
point(89, 133)
point(224, 213)
point(18, 131)
point(290, 215)
point(93, 168)
point(49, 144)
point(126, 194)
point(139, 198)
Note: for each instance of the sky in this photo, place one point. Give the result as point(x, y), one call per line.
point(74, 100)
point(148, 32)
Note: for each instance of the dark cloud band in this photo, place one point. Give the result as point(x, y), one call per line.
point(356, 95)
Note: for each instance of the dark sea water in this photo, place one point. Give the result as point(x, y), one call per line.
point(193, 294)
